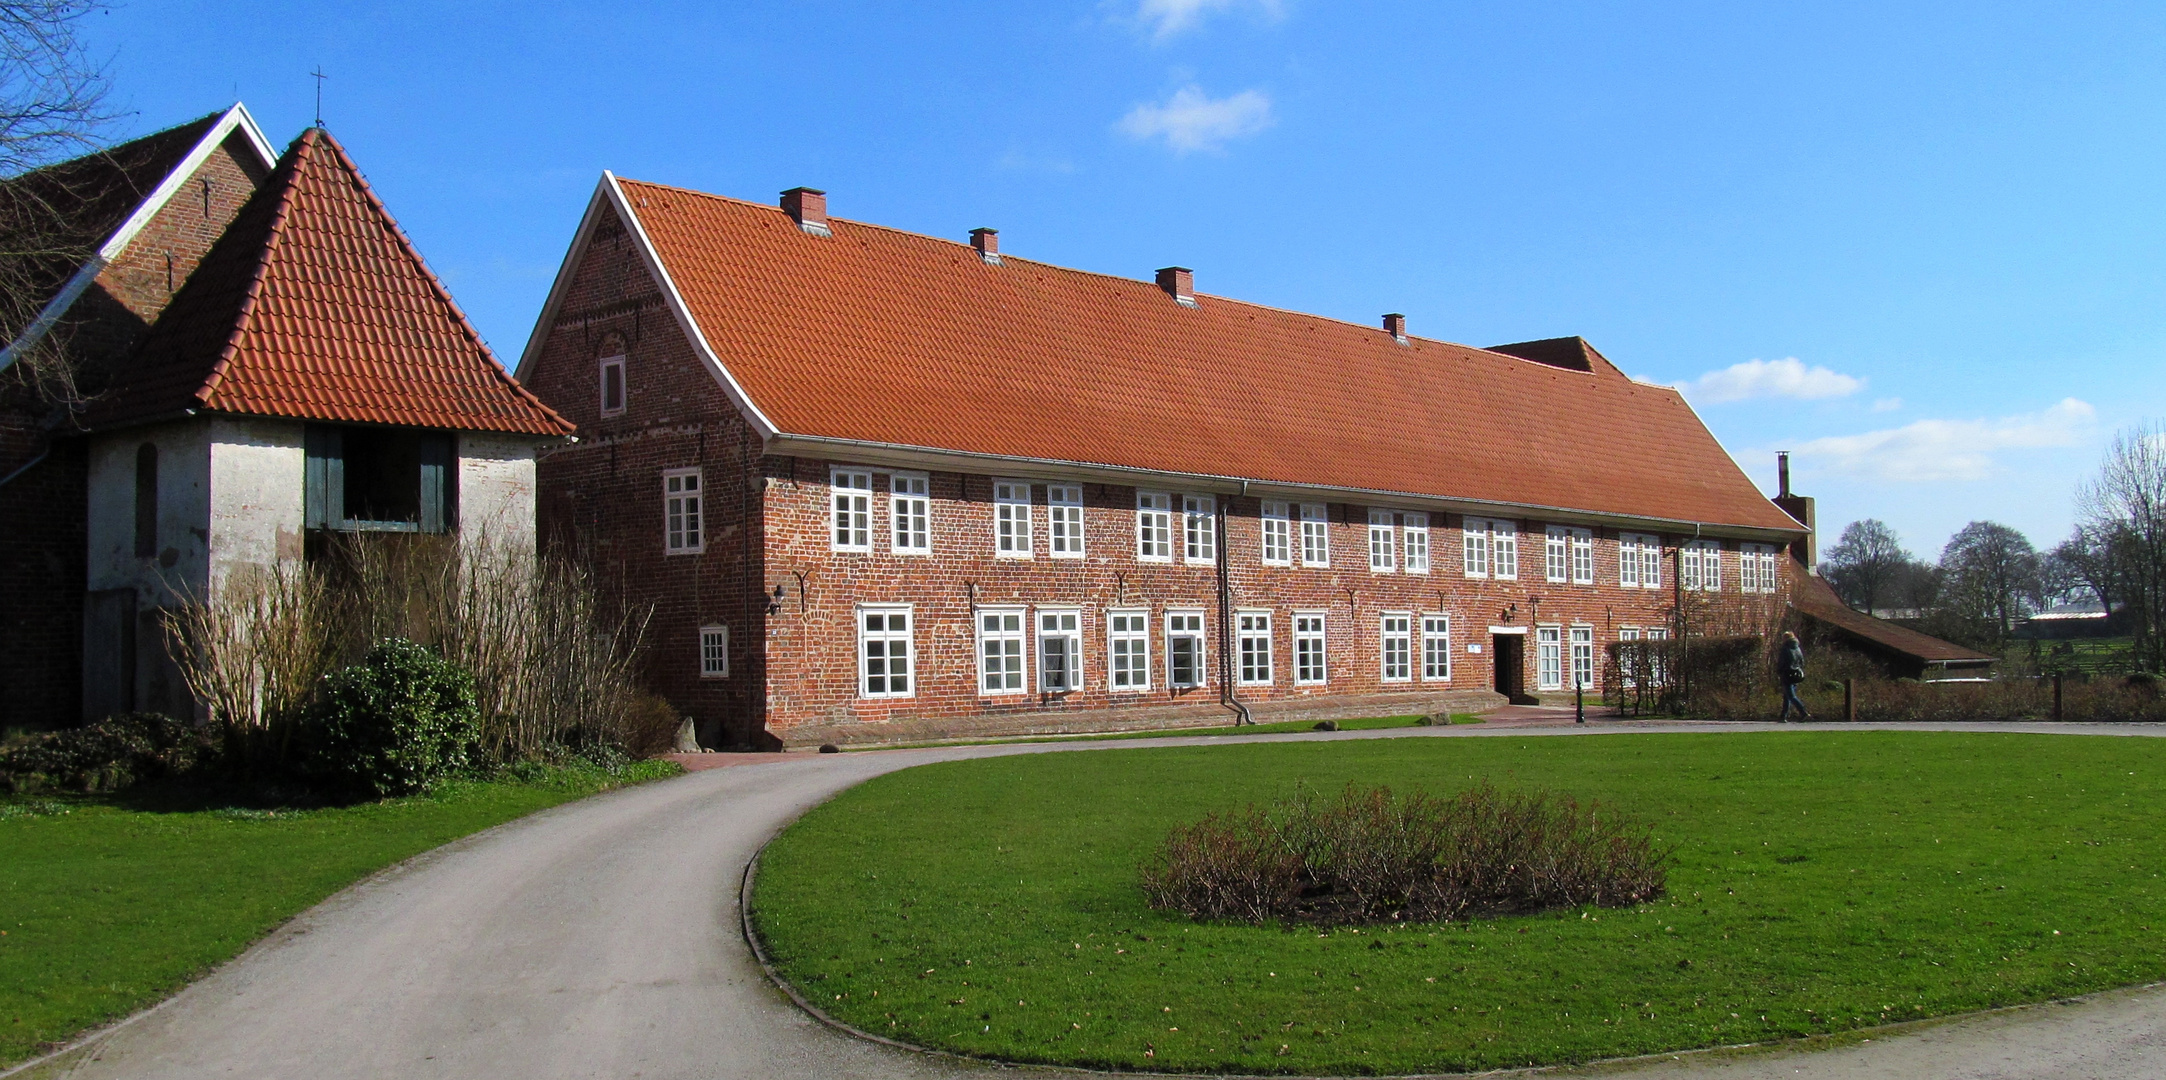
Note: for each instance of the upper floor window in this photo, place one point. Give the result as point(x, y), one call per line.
point(1277, 535)
point(1582, 556)
point(1383, 551)
point(852, 518)
point(714, 652)
point(910, 505)
point(681, 499)
point(1492, 548)
point(1064, 520)
point(1556, 554)
point(612, 378)
point(378, 479)
point(1700, 566)
point(1315, 535)
point(1199, 515)
point(1414, 537)
point(1639, 561)
point(1756, 567)
point(1011, 519)
point(1154, 526)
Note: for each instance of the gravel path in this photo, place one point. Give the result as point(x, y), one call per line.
point(599, 939)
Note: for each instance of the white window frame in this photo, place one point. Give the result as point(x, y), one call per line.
point(1639, 560)
point(1252, 637)
point(1011, 519)
point(887, 637)
point(1013, 652)
point(1154, 526)
point(1503, 550)
point(1065, 641)
point(1414, 542)
point(1128, 650)
point(1582, 541)
point(1383, 541)
point(1580, 639)
point(1556, 554)
point(1199, 529)
point(1178, 628)
point(910, 513)
point(1395, 646)
point(684, 512)
point(1312, 649)
point(1624, 676)
point(714, 652)
point(1064, 520)
point(1316, 534)
point(1474, 546)
point(1436, 644)
point(601, 389)
point(1549, 658)
point(1756, 568)
point(849, 515)
point(1275, 534)
point(1702, 566)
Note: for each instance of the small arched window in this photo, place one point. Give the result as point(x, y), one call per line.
point(146, 501)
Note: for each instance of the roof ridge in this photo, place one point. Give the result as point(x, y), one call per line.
point(296, 155)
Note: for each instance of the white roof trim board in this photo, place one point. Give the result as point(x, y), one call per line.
point(235, 118)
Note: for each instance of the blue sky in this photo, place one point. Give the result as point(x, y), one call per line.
point(1919, 245)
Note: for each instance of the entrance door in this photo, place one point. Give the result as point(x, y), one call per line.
point(1510, 651)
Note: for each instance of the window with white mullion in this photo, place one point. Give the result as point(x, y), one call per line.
point(1060, 651)
point(683, 525)
point(1474, 547)
point(1414, 542)
point(1383, 551)
point(1650, 562)
point(1277, 534)
point(1315, 534)
point(1128, 651)
point(714, 652)
point(910, 512)
point(1000, 651)
point(1064, 520)
point(1255, 645)
point(1639, 561)
point(851, 517)
point(1154, 526)
point(1556, 554)
point(1395, 646)
point(1011, 519)
point(1582, 556)
point(1503, 550)
point(1436, 648)
point(1185, 660)
point(1548, 658)
point(1702, 566)
point(886, 652)
point(1582, 641)
point(1310, 668)
point(1199, 518)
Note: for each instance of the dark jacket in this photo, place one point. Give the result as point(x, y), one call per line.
point(1790, 662)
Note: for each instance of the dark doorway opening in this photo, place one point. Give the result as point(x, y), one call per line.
point(1510, 651)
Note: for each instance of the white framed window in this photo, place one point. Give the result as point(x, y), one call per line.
point(1582, 556)
point(1582, 641)
point(1639, 560)
point(1255, 644)
point(1700, 566)
point(714, 652)
point(1492, 548)
point(910, 508)
point(1549, 658)
point(887, 654)
point(1662, 663)
point(683, 496)
point(1556, 554)
point(1383, 550)
point(1436, 648)
point(1310, 667)
point(1474, 546)
point(1060, 650)
point(1277, 533)
point(1064, 520)
point(852, 524)
point(1756, 568)
point(1199, 529)
point(1000, 651)
point(1011, 519)
point(1154, 526)
point(1128, 651)
point(1624, 673)
point(1395, 646)
point(1185, 648)
point(1414, 538)
point(612, 385)
point(1315, 535)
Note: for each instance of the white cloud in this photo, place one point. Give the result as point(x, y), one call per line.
point(1785, 378)
point(1887, 404)
point(1190, 120)
point(1170, 18)
point(1939, 450)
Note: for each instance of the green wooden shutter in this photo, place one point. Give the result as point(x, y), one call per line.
point(436, 482)
point(324, 481)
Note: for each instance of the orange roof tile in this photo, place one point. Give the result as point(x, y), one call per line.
point(1816, 598)
point(881, 336)
point(314, 305)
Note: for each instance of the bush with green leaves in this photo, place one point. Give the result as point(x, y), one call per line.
point(393, 724)
point(109, 755)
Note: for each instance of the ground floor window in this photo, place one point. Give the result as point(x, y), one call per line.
point(1436, 648)
point(1060, 651)
point(1128, 636)
point(1184, 648)
point(714, 652)
point(1548, 658)
point(1583, 657)
point(1000, 650)
point(1396, 647)
point(1255, 641)
point(1624, 672)
point(885, 651)
point(1309, 647)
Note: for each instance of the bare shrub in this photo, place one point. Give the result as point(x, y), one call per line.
point(1371, 857)
point(254, 654)
point(1881, 700)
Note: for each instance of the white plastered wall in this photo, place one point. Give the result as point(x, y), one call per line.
point(258, 499)
point(496, 488)
point(182, 546)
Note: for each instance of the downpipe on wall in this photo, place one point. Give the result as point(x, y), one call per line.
point(1226, 696)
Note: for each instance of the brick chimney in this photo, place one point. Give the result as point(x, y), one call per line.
point(1805, 550)
point(987, 241)
point(809, 207)
point(1179, 283)
point(1395, 325)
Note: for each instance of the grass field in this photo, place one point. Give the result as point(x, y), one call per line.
point(1825, 881)
point(109, 904)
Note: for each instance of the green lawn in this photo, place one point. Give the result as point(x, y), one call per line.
point(109, 904)
point(1826, 881)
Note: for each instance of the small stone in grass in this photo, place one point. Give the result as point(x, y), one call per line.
point(830, 748)
point(1327, 725)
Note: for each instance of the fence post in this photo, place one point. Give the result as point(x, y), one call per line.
point(2056, 695)
point(1579, 702)
point(1850, 700)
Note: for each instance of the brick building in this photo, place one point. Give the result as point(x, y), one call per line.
point(879, 485)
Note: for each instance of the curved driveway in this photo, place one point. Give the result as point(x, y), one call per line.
point(600, 939)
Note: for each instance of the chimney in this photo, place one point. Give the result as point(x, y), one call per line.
point(809, 207)
point(1179, 283)
point(1806, 550)
point(987, 241)
point(1395, 325)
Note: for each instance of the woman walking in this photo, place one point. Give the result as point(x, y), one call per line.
point(1790, 668)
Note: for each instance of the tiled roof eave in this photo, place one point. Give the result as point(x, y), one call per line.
point(937, 458)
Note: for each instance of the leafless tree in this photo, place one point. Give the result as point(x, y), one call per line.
point(1864, 564)
point(1990, 579)
point(2125, 505)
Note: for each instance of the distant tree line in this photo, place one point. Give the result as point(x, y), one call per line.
point(1989, 577)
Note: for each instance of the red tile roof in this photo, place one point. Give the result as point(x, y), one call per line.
point(1815, 598)
point(315, 306)
point(882, 336)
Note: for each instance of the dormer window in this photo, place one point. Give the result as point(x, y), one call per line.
point(612, 380)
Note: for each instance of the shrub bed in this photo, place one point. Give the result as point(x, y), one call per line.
point(106, 756)
point(1372, 857)
point(2104, 699)
point(393, 724)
